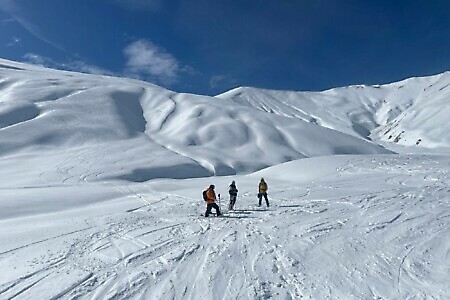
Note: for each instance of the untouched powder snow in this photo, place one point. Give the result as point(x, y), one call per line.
point(411, 112)
point(101, 181)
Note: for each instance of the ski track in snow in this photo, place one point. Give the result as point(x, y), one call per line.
point(369, 232)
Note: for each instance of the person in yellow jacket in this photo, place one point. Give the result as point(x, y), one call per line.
point(210, 201)
point(262, 192)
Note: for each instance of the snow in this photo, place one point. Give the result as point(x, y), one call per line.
point(101, 180)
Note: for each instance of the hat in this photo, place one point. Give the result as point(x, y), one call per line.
point(212, 186)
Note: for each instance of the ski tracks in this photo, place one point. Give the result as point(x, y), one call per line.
point(326, 241)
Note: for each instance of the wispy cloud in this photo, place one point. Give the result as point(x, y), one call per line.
point(8, 5)
point(148, 5)
point(80, 66)
point(149, 61)
point(13, 9)
point(74, 65)
point(13, 42)
point(37, 59)
point(221, 82)
point(8, 20)
point(216, 81)
point(143, 60)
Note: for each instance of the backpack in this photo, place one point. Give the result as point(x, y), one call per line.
point(205, 197)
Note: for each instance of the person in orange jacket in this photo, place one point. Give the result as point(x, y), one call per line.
point(262, 192)
point(210, 201)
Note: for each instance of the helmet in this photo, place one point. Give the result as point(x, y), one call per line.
point(212, 186)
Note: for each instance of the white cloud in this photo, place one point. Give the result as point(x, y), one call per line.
point(37, 59)
point(145, 59)
point(80, 66)
point(74, 65)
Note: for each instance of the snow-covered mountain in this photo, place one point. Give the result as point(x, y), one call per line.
point(101, 180)
point(242, 130)
point(410, 112)
point(129, 120)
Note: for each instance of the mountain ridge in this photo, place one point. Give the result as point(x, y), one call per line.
point(134, 123)
point(376, 113)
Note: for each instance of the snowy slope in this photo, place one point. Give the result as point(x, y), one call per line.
point(410, 112)
point(129, 121)
point(101, 180)
point(361, 227)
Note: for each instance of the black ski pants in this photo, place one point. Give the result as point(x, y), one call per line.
point(210, 206)
point(260, 196)
point(232, 202)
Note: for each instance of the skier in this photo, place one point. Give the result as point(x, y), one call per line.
point(210, 201)
point(263, 192)
point(233, 195)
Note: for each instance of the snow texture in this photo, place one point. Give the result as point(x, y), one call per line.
point(101, 181)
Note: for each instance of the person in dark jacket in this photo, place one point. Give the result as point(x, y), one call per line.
point(210, 202)
point(262, 192)
point(233, 195)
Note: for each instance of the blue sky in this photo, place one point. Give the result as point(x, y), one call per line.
point(208, 47)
